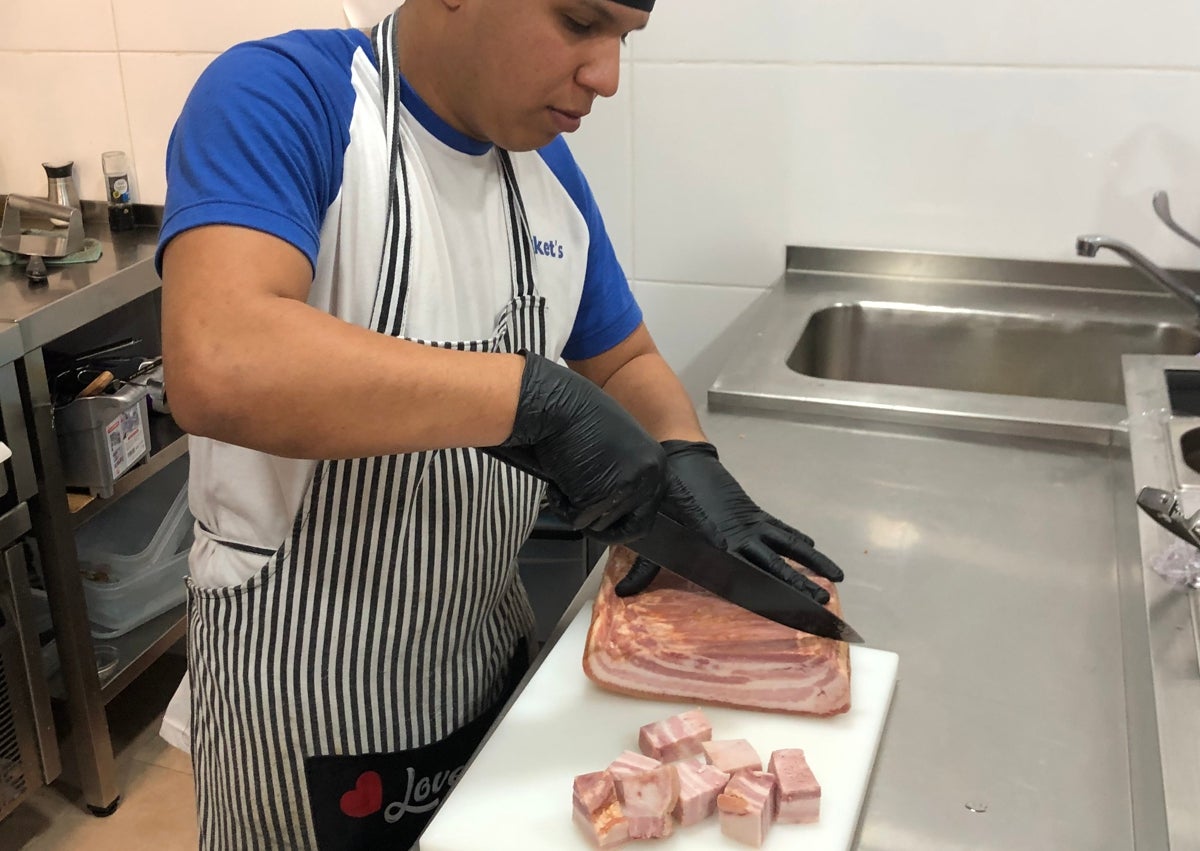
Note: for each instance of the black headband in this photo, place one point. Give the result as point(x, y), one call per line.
point(644, 5)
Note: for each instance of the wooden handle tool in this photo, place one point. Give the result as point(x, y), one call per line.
point(97, 385)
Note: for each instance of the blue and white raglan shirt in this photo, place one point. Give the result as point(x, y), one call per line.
point(286, 136)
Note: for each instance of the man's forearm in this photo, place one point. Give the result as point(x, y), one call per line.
point(648, 388)
point(248, 361)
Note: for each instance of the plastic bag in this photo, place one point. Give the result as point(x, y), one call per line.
point(1179, 564)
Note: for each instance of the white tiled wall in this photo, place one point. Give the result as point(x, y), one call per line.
point(85, 76)
point(999, 129)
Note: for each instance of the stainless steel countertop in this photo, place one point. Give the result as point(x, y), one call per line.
point(990, 569)
point(1011, 692)
point(993, 567)
point(76, 294)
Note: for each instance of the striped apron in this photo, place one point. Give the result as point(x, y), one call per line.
point(337, 694)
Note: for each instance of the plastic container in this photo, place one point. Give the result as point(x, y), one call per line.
point(149, 522)
point(134, 556)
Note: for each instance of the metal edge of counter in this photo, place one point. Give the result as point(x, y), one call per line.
point(11, 347)
point(89, 303)
point(1161, 638)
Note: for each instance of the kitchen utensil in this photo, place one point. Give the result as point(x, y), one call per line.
point(1164, 508)
point(1162, 207)
point(107, 349)
point(690, 556)
point(18, 234)
point(36, 271)
point(97, 385)
point(516, 793)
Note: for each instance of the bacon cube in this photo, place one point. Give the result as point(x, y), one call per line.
point(630, 764)
point(676, 737)
point(699, 786)
point(747, 807)
point(597, 810)
point(797, 792)
point(648, 791)
point(649, 799)
point(732, 755)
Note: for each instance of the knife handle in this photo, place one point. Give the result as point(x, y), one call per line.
point(523, 459)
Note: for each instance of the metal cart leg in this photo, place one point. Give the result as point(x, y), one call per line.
point(56, 542)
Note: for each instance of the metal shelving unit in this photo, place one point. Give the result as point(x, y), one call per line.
point(83, 306)
point(78, 683)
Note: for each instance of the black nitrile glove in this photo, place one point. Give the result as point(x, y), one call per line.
point(606, 474)
point(702, 495)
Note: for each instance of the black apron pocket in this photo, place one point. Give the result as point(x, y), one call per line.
point(384, 801)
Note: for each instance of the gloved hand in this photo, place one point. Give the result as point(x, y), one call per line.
point(606, 474)
point(702, 495)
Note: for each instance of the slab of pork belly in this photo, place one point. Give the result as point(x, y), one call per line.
point(597, 811)
point(732, 755)
point(699, 786)
point(797, 792)
point(649, 799)
point(677, 737)
point(677, 640)
point(747, 807)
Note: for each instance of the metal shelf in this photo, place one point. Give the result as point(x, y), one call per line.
point(168, 442)
point(137, 650)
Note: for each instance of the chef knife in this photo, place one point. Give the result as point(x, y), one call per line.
point(690, 556)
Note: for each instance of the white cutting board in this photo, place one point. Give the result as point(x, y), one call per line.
point(516, 794)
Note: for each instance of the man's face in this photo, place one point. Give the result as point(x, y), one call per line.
point(535, 66)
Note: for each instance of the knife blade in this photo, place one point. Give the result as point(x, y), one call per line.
point(688, 555)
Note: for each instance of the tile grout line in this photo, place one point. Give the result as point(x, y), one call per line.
point(112, 6)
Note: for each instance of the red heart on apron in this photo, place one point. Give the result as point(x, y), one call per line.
point(366, 797)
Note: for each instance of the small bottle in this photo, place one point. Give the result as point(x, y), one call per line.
point(116, 181)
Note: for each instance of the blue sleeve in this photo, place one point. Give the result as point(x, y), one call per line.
point(261, 139)
point(608, 312)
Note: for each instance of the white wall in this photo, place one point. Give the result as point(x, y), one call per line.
point(80, 77)
point(1000, 129)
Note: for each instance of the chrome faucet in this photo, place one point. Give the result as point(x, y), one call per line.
point(1087, 246)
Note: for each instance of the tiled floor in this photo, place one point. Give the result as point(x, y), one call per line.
point(157, 811)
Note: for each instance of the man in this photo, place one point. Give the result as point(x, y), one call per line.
point(376, 248)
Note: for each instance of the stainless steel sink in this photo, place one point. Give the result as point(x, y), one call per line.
point(1013, 354)
point(1012, 347)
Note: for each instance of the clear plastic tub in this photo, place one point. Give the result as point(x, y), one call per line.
point(117, 606)
point(148, 526)
point(134, 556)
